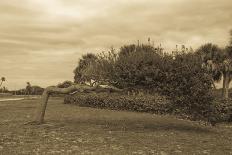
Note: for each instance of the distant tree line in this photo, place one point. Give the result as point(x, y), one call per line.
point(33, 90)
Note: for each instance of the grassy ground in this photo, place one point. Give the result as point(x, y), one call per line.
point(70, 129)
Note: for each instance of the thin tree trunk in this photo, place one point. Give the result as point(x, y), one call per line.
point(223, 85)
point(226, 83)
point(55, 90)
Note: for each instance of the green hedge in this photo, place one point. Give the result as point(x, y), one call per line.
point(220, 110)
point(145, 103)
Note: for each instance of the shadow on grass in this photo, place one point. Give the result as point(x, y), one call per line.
point(180, 127)
point(131, 126)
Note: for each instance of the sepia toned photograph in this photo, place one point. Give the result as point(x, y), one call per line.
point(115, 77)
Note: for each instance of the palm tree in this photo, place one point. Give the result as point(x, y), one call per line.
point(218, 63)
point(211, 56)
point(226, 68)
point(28, 88)
point(3, 79)
point(83, 72)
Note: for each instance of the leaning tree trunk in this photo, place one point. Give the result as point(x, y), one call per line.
point(55, 90)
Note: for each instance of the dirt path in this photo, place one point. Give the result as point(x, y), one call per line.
point(78, 130)
point(14, 98)
point(11, 99)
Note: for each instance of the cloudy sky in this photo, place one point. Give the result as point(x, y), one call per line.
point(42, 40)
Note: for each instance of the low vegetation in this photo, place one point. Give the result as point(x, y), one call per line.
point(141, 103)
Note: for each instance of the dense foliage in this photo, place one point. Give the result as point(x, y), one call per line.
point(180, 77)
point(138, 66)
point(188, 86)
point(145, 103)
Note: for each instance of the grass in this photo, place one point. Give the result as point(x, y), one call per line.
point(70, 129)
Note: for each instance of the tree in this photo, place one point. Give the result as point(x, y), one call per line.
point(227, 68)
point(188, 86)
point(28, 88)
point(104, 67)
point(182, 79)
point(82, 72)
point(212, 56)
point(3, 79)
point(56, 90)
point(36, 90)
point(218, 63)
point(136, 66)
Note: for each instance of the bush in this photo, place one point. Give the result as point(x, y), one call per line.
point(183, 79)
point(188, 86)
point(145, 103)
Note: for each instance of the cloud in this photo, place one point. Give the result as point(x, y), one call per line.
point(41, 41)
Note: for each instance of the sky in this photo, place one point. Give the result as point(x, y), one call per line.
point(41, 41)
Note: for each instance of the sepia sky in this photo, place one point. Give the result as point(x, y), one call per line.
point(42, 40)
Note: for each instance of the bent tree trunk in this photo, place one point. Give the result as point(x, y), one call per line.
point(55, 90)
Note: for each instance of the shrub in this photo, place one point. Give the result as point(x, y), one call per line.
point(182, 80)
point(145, 103)
point(188, 86)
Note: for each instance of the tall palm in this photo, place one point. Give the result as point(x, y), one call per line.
point(227, 68)
point(212, 56)
point(3, 79)
point(218, 63)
